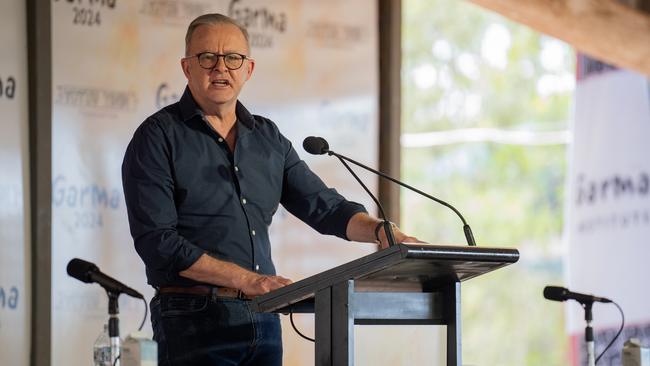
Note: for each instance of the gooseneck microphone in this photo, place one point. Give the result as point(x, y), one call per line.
point(319, 146)
point(556, 293)
point(89, 273)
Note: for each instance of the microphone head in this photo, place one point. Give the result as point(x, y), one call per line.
point(555, 293)
point(315, 145)
point(81, 270)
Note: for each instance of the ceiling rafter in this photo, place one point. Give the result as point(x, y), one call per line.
point(605, 29)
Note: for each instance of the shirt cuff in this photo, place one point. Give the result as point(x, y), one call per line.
point(187, 255)
point(341, 217)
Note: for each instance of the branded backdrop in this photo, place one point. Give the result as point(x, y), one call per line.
point(14, 183)
point(115, 62)
point(609, 205)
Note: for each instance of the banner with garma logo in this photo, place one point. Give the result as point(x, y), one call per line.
point(115, 62)
point(608, 221)
point(15, 252)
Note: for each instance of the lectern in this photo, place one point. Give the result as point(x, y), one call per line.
point(403, 284)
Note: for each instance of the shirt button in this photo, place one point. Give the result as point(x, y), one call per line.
point(220, 139)
point(236, 168)
point(253, 232)
point(243, 200)
point(257, 267)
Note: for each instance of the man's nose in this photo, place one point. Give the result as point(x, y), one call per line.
point(221, 64)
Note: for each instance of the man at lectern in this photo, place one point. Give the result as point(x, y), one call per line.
point(202, 179)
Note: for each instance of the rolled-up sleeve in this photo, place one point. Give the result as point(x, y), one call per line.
point(306, 196)
point(148, 183)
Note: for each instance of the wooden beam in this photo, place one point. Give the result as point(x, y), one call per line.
point(39, 56)
point(390, 99)
point(605, 29)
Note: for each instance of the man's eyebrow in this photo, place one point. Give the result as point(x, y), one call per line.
point(225, 52)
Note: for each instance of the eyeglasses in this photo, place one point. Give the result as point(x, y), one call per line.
point(208, 60)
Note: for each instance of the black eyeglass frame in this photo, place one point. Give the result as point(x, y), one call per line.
point(220, 55)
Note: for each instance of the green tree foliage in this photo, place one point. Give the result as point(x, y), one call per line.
point(466, 68)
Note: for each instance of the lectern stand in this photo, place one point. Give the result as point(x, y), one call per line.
point(403, 284)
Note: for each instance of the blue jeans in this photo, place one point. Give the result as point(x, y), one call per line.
point(201, 330)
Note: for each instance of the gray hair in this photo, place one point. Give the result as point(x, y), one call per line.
point(213, 19)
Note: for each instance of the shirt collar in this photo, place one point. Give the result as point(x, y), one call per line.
point(189, 109)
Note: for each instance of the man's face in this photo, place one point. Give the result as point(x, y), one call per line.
point(219, 86)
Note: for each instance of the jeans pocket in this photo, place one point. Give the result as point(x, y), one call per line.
point(182, 304)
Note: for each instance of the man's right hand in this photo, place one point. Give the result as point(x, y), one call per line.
point(221, 273)
point(255, 284)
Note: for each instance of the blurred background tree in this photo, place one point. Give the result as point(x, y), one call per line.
point(486, 105)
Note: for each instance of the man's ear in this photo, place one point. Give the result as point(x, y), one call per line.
point(251, 67)
point(185, 65)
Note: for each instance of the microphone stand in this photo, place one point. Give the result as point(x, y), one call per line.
point(114, 326)
point(589, 334)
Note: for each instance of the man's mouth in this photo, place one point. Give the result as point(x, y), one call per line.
point(220, 82)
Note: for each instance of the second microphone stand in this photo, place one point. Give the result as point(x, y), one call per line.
point(114, 326)
point(589, 334)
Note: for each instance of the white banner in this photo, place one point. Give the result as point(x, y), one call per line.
point(115, 62)
point(14, 186)
point(608, 219)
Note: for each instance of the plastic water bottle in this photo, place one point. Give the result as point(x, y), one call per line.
point(102, 349)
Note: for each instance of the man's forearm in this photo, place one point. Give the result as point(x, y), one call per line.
point(217, 272)
point(361, 227)
point(226, 274)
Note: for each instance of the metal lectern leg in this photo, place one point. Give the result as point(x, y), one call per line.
point(334, 325)
point(323, 327)
point(453, 317)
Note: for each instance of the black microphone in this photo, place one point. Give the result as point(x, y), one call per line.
point(315, 145)
point(556, 293)
point(89, 273)
point(319, 146)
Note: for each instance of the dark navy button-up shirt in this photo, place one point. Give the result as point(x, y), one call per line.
point(187, 194)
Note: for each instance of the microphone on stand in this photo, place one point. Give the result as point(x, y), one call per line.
point(319, 146)
point(556, 293)
point(89, 273)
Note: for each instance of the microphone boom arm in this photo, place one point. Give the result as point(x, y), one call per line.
point(387, 227)
point(466, 229)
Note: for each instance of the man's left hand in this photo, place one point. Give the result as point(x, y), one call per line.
point(399, 236)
